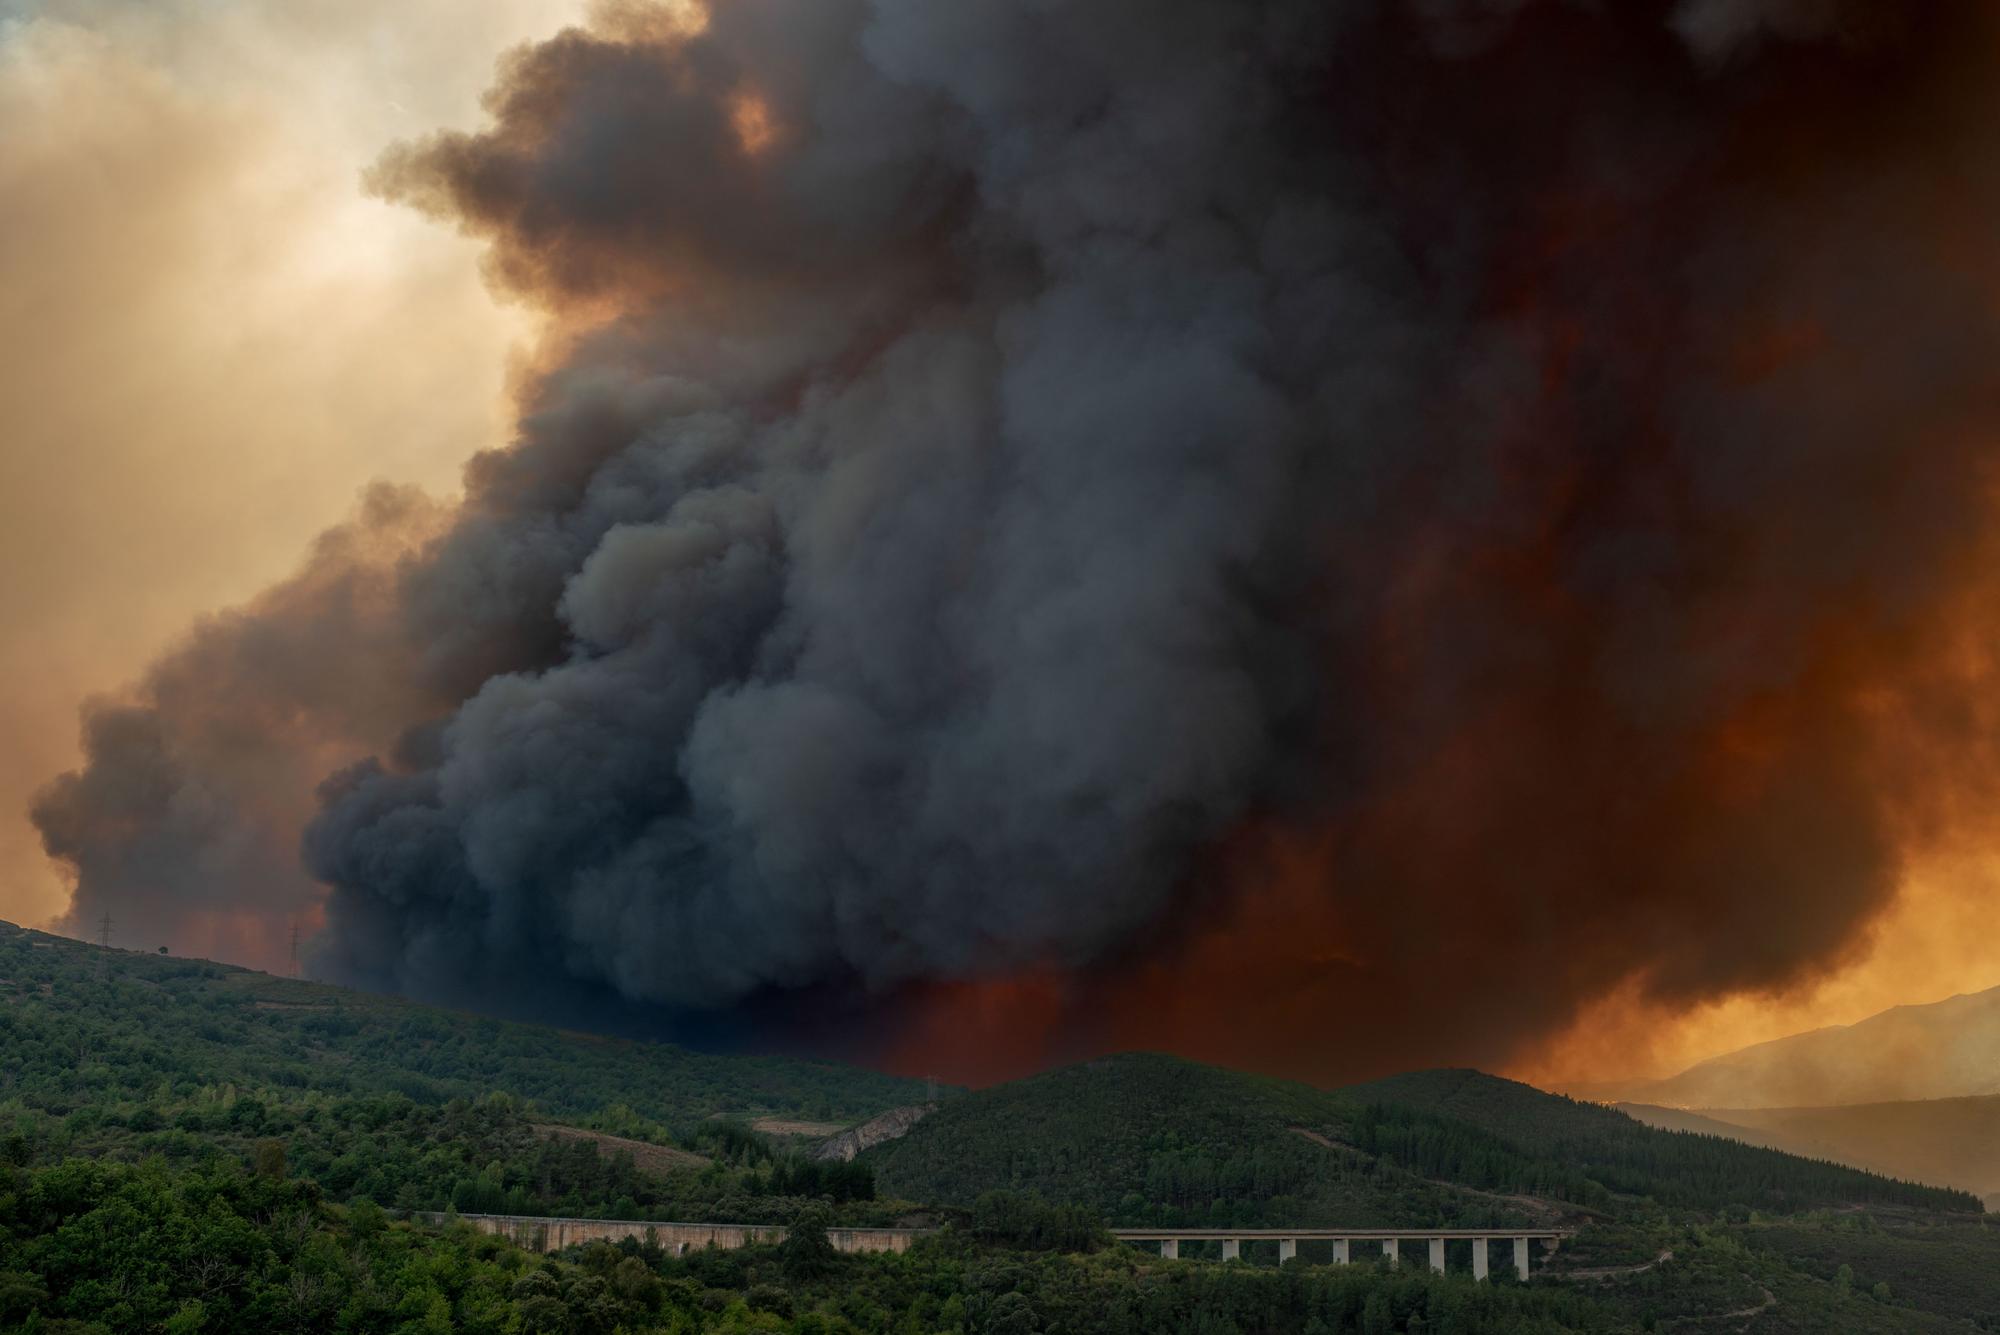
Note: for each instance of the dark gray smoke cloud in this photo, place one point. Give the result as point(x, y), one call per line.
point(904, 626)
point(1512, 449)
point(184, 822)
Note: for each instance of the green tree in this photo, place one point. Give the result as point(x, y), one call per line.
point(191, 1318)
point(20, 1294)
point(806, 1253)
point(1012, 1314)
point(270, 1159)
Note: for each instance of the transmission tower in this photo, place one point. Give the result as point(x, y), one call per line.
point(104, 940)
point(295, 947)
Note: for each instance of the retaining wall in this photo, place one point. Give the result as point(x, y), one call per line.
point(539, 1234)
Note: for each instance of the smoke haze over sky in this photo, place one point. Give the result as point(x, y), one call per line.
point(1031, 528)
point(212, 338)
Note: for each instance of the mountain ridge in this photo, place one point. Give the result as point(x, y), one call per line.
point(1916, 1052)
point(239, 1025)
point(1153, 1140)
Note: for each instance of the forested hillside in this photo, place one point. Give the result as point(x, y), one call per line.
point(1627, 1158)
point(189, 1148)
point(87, 1248)
point(1150, 1139)
point(1155, 1140)
point(82, 1026)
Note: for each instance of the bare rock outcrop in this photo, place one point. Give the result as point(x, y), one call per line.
point(878, 1129)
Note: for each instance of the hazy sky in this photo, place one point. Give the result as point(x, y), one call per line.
point(211, 338)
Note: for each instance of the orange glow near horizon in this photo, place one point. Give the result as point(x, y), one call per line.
point(1207, 1004)
point(1935, 942)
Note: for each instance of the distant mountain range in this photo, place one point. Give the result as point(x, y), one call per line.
point(1947, 1142)
point(1946, 1050)
point(1912, 1093)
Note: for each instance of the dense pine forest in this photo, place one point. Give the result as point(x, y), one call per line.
point(84, 1028)
point(186, 1147)
point(1155, 1140)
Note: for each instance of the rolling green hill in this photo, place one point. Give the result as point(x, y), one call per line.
point(1149, 1139)
point(126, 1057)
point(84, 1026)
point(1154, 1140)
point(189, 1147)
point(1632, 1160)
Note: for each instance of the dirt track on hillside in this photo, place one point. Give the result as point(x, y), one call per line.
point(646, 1156)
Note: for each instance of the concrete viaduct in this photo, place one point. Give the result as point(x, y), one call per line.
point(547, 1234)
point(1343, 1239)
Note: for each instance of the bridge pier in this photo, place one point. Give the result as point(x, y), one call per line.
point(1341, 1242)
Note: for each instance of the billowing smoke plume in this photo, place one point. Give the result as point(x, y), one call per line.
point(1323, 534)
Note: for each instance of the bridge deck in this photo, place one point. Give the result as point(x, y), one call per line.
point(1352, 1234)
